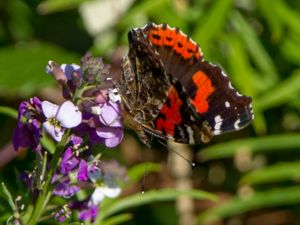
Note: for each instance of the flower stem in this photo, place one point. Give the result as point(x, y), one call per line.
point(46, 193)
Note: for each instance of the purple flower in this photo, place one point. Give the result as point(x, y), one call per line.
point(28, 132)
point(73, 164)
point(68, 75)
point(76, 141)
point(83, 171)
point(65, 188)
point(60, 117)
point(103, 119)
point(86, 210)
point(68, 162)
point(90, 213)
point(111, 130)
point(72, 160)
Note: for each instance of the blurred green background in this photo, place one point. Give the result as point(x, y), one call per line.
point(255, 172)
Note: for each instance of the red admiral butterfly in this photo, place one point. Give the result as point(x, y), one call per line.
point(171, 92)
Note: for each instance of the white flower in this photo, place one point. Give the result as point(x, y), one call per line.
point(107, 188)
point(60, 117)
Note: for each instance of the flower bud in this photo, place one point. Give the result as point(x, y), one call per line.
point(58, 74)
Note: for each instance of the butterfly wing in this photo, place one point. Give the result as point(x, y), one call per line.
point(155, 101)
point(208, 88)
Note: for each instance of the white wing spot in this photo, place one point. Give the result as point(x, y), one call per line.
point(238, 94)
point(236, 124)
point(224, 74)
point(218, 122)
point(227, 104)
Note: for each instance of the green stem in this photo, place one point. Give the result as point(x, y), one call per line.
point(46, 193)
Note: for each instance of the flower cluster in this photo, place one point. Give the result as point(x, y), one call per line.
point(91, 114)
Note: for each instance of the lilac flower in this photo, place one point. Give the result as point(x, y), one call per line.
point(68, 75)
point(66, 189)
point(103, 118)
point(68, 162)
point(28, 132)
point(86, 210)
point(112, 130)
point(82, 171)
point(73, 164)
point(90, 213)
point(95, 114)
point(60, 117)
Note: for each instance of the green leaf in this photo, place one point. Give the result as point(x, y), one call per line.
point(275, 173)
point(257, 51)
point(288, 15)
point(136, 172)
point(257, 200)
point(274, 22)
point(290, 49)
point(280, 94)
point(48, 143)
point(121, 218)
point(267, 143)
point(213, 21)
point(239, 61)
point(259, 122)
point(23, 67)
point(9, 112)
point(9, 198)
point(142, 8)
point(150, 197)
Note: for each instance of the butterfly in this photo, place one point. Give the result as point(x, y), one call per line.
point(170, 92)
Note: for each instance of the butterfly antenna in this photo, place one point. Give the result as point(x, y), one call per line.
point(180, 155)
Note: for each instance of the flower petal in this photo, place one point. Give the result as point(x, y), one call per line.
point(66, 189)
point(112, 142)
point(106, 132)
point(68, 162)
point(83, 171)
point(111, 192)
point(68, 69)
point(56, 133)
point(98, 195)
point(49, 109)
point(89, 213)
point(95, 175)
point(110, 114)
point(69, 115)
point(113, 136)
